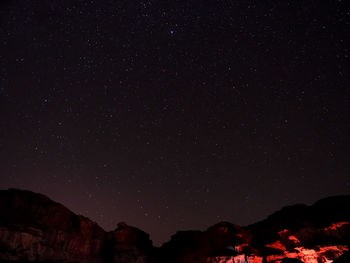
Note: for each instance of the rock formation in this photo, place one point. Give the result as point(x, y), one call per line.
point(311, 234)
point(128, 244)
point(32, 227)
point(36, 229)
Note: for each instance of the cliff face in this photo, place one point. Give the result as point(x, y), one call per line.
point(35, 228)
point(32, 227)
point(311, 234)
point(309, 245)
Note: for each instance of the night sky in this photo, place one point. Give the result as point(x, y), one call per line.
point(175, 115)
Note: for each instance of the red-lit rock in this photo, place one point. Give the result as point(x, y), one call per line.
point(317, 255)
point(35, 228)
point(236, 259)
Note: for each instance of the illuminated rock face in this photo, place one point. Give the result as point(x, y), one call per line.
point(308, 244)
point(236, 259)
point(317, 254)
point(315, 234)
point(325, 254)
point(35, 228)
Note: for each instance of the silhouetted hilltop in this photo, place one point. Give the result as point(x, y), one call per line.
point(36, 229)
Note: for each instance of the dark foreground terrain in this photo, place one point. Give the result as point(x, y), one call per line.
point(36, 229)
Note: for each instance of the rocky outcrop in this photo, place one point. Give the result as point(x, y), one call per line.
point(311, 234)
point(32, 227)
point(221, 241)
point(128, 244)
point(309, 245)
point(36, 229)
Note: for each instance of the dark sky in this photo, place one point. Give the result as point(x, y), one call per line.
point(174, 115)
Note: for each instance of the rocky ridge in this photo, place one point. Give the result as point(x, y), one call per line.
point(34, 228)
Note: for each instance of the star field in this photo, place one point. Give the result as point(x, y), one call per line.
point(174, 115)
